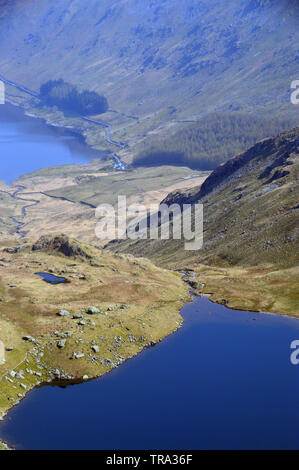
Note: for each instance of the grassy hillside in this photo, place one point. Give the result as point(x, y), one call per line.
point(250, 253)
point(135, 305)
point(133, 184)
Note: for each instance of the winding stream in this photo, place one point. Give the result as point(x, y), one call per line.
point(20, 224)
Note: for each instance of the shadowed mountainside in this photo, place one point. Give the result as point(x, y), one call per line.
point(160, 63)
point(211, 140)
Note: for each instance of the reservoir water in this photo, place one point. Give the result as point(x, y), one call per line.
point(223, 381)
point(28, 144)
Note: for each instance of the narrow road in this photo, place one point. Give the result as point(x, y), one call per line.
point(19, 87)
point(108, 131)
point(119, 165)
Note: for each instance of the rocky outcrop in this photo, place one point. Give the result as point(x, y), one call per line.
point(179, 197)
point(268, 154)
point(60, 244)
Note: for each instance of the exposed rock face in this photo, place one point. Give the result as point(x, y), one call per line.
point(270, 158)
point(178, 197)
point(273, 153)
point(61, 244)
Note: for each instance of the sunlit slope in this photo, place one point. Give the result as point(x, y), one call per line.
point(250, 226)
point(111, 307)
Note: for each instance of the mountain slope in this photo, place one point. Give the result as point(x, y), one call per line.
point(161, 61)
point(211, 140)
point(250, 223)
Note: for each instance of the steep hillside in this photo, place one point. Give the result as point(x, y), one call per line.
point(160, 62)
point(250, 226)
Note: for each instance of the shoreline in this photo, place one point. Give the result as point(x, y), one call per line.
point(218, 295)
point(76, 131)
point(124, 328)
point(199, 292)
point(80, 132)
point(193, 297)
point(80, 380)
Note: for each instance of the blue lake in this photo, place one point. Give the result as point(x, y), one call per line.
point(223, 381)
point(28, 144)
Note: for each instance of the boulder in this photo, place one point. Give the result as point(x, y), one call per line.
point(92, 310)
point(61, 344)
point(77, 355)
point(77, 316)
point(30, 339)
point(63, 313)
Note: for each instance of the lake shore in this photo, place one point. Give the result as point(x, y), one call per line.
point(95, 133)
point(209, 350)
point(127, 320)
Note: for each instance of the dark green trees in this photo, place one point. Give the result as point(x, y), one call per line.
point(67, 98)
point(211, 140)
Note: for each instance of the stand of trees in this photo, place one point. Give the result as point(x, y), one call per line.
point(211, 141)
point(67, 98)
